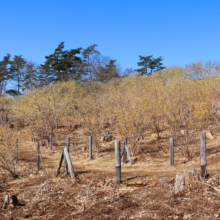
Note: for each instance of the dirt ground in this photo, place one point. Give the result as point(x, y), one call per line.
point(146, 191)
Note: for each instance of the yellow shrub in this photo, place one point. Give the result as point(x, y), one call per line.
point(8, 151)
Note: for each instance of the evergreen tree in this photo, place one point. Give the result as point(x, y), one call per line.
point(87, 53)
point(4, 72)
point(149, 65)
point(62, 64)
point(17, 72)
point(54, 63)
point(73, 65)
point(156, 65)
point(145, 64)
point(30, 79)
point(107, 72)
point(34, 77)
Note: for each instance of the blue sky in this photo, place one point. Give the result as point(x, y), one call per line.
point(181, 31)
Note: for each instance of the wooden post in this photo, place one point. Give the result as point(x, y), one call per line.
point(118, 161)
point(171, 152)
point(16, 152)
point(60, 162)
point(51, 142)
point(203, 160)
point(65, 162)
point(124, 150)
point(90, 147)
point(70, 165)
point(32, 135)
point(42, 139)
point(38, 156)
point(128, 153)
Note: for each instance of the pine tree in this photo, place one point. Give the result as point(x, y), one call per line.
point(17, 72)
point(87, 53)
point(4, 72)
point(73, 65)
point(156, 65)
point(149, 65)
point(63, 64)
point(108, 72)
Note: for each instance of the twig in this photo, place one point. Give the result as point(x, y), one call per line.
point(38, 191)
point(208, 185)
point(14, 175)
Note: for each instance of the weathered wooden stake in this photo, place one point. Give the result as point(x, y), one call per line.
point(118, 161)
point(38, 156)
point(90, 147)
point(124, 150)
point(65, 162)
point(60, 163)
point(42, 139)
point(203, 160)
point(16, 152)
point(171, 152)
point(51, 142)
point(70, 165)
point(128, 153)
point(32, 135)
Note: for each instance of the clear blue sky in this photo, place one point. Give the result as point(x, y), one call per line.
point(181, 31)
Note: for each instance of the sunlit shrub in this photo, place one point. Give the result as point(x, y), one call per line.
point(8, 150)
point(180, 101)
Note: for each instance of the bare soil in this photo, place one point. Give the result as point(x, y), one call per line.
point(145, 191)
